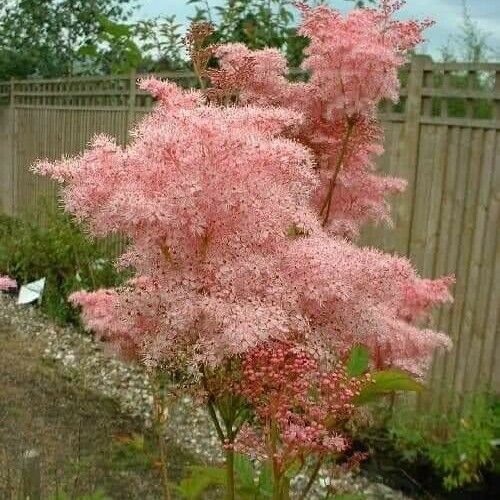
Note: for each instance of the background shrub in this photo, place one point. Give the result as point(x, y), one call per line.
point(58, 250)
point(458, 448)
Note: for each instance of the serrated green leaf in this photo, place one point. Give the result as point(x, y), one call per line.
point(387, 381)
point(357, 364)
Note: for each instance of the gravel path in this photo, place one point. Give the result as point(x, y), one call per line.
point(84, 360)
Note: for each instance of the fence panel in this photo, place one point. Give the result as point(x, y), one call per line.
point(444, 138)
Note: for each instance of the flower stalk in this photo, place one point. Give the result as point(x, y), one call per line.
point(159, 415)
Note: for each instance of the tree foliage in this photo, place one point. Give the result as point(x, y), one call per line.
point(255, 23)
point(71, 37)
point(469, 44)
point(65, 37)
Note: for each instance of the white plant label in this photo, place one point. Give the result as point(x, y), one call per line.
point(31, 292)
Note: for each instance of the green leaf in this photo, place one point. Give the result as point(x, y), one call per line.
point(293, 470)
point(88, 51)
point(357, 364)
point(199, 480)
point(116, 30)
point(245, 473)
point(385, 382)
point(265, 481)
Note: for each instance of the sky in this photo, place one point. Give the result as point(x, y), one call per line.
point(446, 13)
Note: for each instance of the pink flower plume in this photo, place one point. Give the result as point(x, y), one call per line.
point(7, 283)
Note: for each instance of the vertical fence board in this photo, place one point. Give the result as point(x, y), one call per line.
point(444, 265)
point(463, 269)
point(423, 186)
point(6, 180)
point(435, 202)
point(411, 141)
point(453, 247)
point(477, 289)
point(490, 356)
point(482, 267)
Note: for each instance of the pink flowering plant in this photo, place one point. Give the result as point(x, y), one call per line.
point(241, 203)
point(7, 284)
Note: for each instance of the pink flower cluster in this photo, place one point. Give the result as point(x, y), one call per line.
point(205, 195)
point(102, 315)
point(236, 214)
point(7, 283)
point(352, 295)
point(300, 406)
point(353, 63)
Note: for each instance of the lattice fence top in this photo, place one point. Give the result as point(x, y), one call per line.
point(455, 93)
point(5, 90)
point(89, 92)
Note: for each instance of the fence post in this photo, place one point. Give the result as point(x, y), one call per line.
point(30, 479)
point(131, 103)
point(411, 141)
point(496, 102)
point(12, 149)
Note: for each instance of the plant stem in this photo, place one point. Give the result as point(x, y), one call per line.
point(159, 408)
point(229, 473)
point(225, 439)
point(211, 407)
point(313, 477)
point(163, 462)
point(333, 182)
point(273, 434)
point(197, 72)
point(229, 453)
point(215, 420)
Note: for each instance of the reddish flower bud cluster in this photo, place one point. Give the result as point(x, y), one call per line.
point(304, 405)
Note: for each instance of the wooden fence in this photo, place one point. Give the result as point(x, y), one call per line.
point(444, 137)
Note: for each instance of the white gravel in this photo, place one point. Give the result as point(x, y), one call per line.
point(188, 424)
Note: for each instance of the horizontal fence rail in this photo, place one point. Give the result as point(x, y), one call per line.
point(443, 137)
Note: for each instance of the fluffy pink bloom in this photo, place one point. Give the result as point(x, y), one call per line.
point(234, 238)
point(168, 94)
point(354, 295)
point(101, 314)
point(7, 283)
point(354, 59)
point(206, 196)
point(353, 63)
